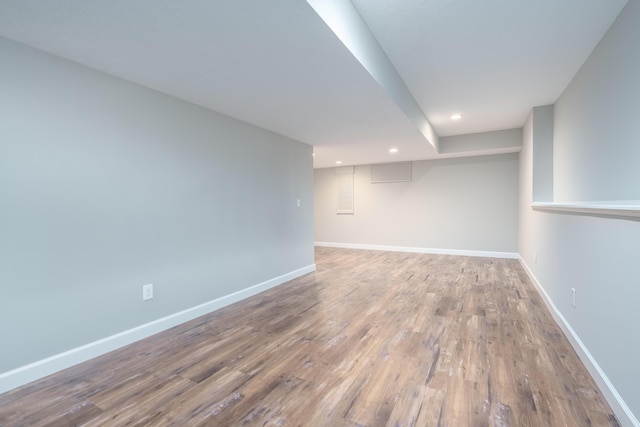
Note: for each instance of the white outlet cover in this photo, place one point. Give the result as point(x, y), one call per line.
point(147, 292)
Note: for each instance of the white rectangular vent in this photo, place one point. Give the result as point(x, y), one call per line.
point(391, 172)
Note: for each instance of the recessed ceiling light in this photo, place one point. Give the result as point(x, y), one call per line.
point(456, 117)
point(338, 162)
point(393, 150)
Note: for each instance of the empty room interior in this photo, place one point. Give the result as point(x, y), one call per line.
point(320, 212)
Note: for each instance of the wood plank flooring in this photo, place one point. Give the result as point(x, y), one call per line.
point(369, 339)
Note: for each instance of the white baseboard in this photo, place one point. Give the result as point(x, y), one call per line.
point(42, 368)
point(486, 254)
point(619, 407)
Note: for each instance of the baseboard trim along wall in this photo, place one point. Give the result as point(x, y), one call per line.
point(619, 407)
point(486, 254)
point(42, 368)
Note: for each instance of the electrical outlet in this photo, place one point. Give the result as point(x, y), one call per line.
point(535, 257)
point(298, 202)
point(147, 292)
point(573, 297)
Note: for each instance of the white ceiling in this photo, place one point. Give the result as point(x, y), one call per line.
point(488, 60)
point(276, 64)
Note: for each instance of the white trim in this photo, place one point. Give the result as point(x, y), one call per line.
point(619, 407)
point(617, 208)
point(34, 371)
point(460, 252)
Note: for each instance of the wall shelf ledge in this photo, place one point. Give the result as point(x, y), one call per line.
point(615, 208)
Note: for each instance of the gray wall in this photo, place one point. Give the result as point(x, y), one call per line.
point(595, 157)
point(596, 120)
point(474, 142)
point(106, 186)
point(460, 204)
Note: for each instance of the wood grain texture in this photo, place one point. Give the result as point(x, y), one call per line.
point(370, 339)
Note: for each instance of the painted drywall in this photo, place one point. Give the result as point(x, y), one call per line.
point(596, 120)
point(345, 21)
point(477, 142)
point(596, 256)
point(542, 146)
point(106, 186)
point(462, 204)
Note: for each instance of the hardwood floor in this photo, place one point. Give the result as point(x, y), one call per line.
point(370, 339)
